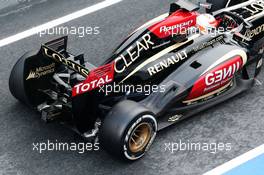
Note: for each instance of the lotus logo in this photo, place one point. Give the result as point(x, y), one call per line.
point(56, 56)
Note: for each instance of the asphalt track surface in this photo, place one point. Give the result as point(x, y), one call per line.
point(239, 121)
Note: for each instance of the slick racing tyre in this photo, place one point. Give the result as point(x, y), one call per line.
point(220, 4)
point(16, 80)
point(128, 130)
point(25, 80)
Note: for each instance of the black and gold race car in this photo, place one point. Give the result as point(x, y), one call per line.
point(170, 68)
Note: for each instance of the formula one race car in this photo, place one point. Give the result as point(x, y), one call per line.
point(171, 68)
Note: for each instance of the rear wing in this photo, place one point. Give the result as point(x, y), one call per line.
point(59, 44)
point(183, 4)
point(56, 50)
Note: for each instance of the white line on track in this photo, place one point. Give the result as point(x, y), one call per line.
point(56, 22)
point(237, 161)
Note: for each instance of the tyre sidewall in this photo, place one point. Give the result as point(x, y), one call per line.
point(118, 125)
point(147, 118)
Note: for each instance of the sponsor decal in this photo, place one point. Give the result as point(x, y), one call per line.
point(208, 43)
point(41, 71)
point(61, 59)
point(209, 95)
point(164, 64)
point(175, 24)
point(176, 28)
point(255, 7)
point(97, 78)
point(217, 78)
point(251, 33)
point(222, 74)
point(132, 54)
point(158, 55)
point(175, 118)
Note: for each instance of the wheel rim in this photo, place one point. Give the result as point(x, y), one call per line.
point(140, 137)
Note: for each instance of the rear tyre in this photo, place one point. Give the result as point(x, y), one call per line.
point(29, 77)
point(17, 82)
point(128, 131)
